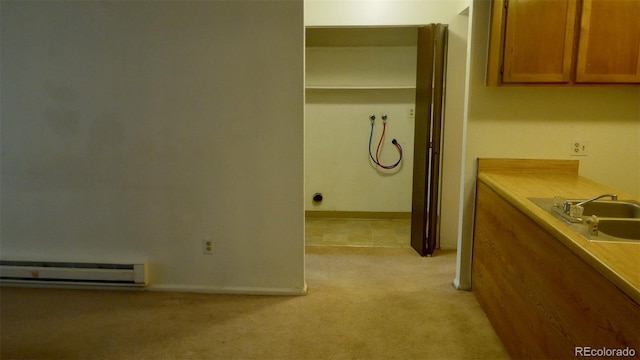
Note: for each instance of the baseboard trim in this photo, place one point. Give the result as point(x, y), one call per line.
point(313, 214)
point(231, 290)
point(69, 286)
point(458, 286)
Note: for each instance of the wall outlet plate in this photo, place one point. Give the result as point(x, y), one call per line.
point(207, 247)
point(579, 148)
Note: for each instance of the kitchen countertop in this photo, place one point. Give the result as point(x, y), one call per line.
point(517, 180)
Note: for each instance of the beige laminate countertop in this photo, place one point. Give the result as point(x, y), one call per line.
point(617, 261)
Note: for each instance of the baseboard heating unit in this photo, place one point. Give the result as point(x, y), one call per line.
point(68, 273)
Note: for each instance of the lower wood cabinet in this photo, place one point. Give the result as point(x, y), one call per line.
point(541, 298)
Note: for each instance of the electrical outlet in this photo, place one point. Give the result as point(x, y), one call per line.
point(207, 247)
point(579, 148)
point(412, 113)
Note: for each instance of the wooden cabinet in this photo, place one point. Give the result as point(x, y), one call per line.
point(609, 46)
point(542, 299)
point(564, 42)
point(538, 41)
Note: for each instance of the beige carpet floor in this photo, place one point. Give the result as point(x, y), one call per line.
point(363, 303)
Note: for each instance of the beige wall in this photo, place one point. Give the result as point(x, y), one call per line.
point(337, 125)
point(337, 163)
point(540, 122)
point(132, 131)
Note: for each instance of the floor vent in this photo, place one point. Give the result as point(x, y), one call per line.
point(72, 273)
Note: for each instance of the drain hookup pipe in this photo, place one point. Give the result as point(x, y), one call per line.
point(376, 160)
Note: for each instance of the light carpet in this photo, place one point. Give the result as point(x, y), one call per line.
point(363, 303)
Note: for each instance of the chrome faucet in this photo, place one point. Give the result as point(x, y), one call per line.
point(569, 206)
point(612, 196)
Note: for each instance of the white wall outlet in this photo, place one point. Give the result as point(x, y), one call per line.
point(207, 247)
point(579, 148)
point(412, 113)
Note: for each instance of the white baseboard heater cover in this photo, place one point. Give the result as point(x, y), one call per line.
point(43, 272)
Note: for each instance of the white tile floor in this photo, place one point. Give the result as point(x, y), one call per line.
point(358, 232)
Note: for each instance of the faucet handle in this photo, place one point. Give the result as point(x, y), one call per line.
point(558, 201)
point(576, 211)
point(593, 225)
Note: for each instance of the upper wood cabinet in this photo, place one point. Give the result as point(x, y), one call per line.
point(609, 47)
point(538, 41)
point(564, 42)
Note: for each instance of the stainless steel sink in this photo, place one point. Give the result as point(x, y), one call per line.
point(613, 209)
point(618, 220)
point(626, 229)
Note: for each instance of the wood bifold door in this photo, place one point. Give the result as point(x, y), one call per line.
point(429, 116)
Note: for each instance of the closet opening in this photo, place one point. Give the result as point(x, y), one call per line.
point(373, 122)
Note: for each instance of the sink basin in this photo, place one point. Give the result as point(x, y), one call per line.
point(619, 220)
point(626, 229)
point(612, 209)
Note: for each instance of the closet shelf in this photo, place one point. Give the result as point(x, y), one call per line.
point(359, 87)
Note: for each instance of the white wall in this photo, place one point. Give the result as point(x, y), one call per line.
point(540, 122)
point(337, 126)
point(337, 162)
point(380, 12)
point(390, 13)
point(132, 131)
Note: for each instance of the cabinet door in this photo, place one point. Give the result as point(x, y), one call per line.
point(609, 49)
point(538, 42)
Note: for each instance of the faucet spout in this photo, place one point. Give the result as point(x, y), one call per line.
point(574, 210)
point(612, 196)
